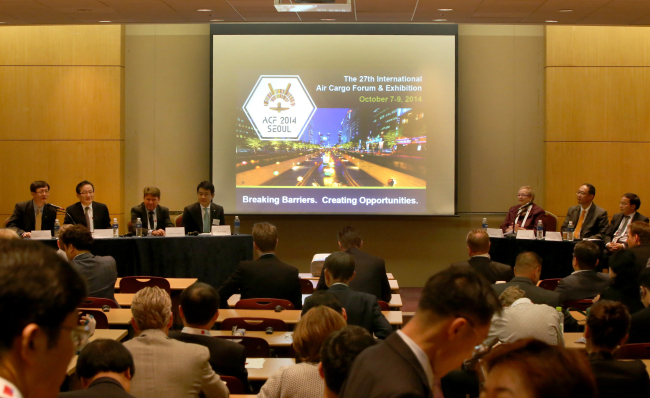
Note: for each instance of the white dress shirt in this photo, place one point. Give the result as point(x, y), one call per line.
point(523, 320)
point(420, 355)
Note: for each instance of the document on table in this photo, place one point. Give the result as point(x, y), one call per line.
point(254, 363)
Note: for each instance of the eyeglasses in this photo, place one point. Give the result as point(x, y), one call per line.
point(79, 335)
point(86, 192)
point(42, 191)
point(582, 193)
point(522, 195)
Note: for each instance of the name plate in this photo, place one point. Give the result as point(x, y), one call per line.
point(103, 233)
point(41, 235)
point(220, 230)
point(175, 231)
point(495, 232)
point(525, 234)
point(554, 236)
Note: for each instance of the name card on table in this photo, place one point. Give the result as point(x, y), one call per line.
point(175, 231)
point(103, 233)
point(495, 232)
point(40, 235)
point(525, 234)
point(554, 236)
point(220, 230)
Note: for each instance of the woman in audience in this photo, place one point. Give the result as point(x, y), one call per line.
point(524, 215)
point(625, 287)
point(303, 380)
point(607, 328)
point(534, 369)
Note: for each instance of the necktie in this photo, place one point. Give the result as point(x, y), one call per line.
point(206, 220)
point(88, 216)
point(622, 228)
point(579, 226)
point(39, 219)
point(151, 226)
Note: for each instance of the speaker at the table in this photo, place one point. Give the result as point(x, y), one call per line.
point(317, 263)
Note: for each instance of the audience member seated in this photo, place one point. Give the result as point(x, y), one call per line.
point(616, 234)
point(92, 215)
point(199, 310)
point(39, 296)
point(528, 268)
point(362, 309)
point(638, 240)
point(452, 318)
point(266, 277)
point(105, 368)
point(521, 319)
point(153, 216)
point(167, 367)
point(33, 215)
point(324, 297)
point(640, 327)
point(533, 369)
point(303, 380)
point(589, 220)
point(6, 233)
point(478, 247)
point(99, 271)
point(371, 271)
point(337, 355)
point(624, 287)
point(526, 214)
point(584, 282)
point(607, 327)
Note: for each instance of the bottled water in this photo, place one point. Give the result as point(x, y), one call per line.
point(138, 227)
point(540, 230)
point(57, 227)
point(570, 230)
point(116, 229)
point(484, 224)
point(237, 225)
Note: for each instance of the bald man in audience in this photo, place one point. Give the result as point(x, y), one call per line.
point(638, 240)
point(528, 269)
point(478, 247)
point(6, 233)
point(584, 282)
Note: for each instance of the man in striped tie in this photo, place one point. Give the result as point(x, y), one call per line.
point(589, 220)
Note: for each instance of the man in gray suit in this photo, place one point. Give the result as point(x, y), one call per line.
point(589, 220)
point(99, 272)
point(167, 367)
point(528, 268)
point(584, 282)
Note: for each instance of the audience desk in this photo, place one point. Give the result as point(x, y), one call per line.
point(395, 301)
point(113, 334)
point(270, 366)
point(309, 275)
point(394, 286)
point(275, 339)
point(175, 284)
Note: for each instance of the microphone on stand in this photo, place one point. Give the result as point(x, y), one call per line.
point(55, 206)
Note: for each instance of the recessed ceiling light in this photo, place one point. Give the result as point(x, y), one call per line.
point(216, 20)
point(566, 10)
point(445, 9)
point(104, 21)
point(328, 19)
point(440, 20)
point(551, 21)
point(203, 10)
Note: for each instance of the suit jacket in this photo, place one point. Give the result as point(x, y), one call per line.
point(388, 369)
point(593, 226)
point(104, 387)
point(101, 218)
point(23, 218)
point(536, 214)
point(141, 212)
point(362, 310)
point(227, 358)
point(582, 285)
point(640, 327)
point(629, 297)
point(169, 368)
point(193, 218)
point(616, 222)
point(99, 272)
point(370, 278)
point(266, 277)
point(641, 254)
point(491, 270)
point(536, 294)
point(619, 378)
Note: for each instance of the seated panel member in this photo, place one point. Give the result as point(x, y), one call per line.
point(478, 247)
point(199, 216)
point(266, 277)
point(526, 214)
point(589, 220)
point(92, 215)
point(584, 282)
point(33, 214)
point(153, 216)
point(616, 234)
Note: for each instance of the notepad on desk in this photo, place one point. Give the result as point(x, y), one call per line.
point(254, 363)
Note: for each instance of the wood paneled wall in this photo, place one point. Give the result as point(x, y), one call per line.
point(597, 114)
point(62, 113)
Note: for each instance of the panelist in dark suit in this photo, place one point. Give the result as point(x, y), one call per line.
point(640, 326)
point(92, 215)
point(528, 268)
point(153, 216)
point(589, 220)
point(199, 216)
point(639, 243)
point(616, 233)
point(526, 214)
point(584, 282)
point(199, 310)
point(362, 309)
point(478, 247)
point(99, 272)
point(441, 335)
point(370, 270)
point(33, 214)
point(266, 277)
point(105, 368)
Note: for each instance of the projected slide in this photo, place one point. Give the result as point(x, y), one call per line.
point(321, 132)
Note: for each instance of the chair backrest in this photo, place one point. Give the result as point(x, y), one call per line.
point(263, 304)
point(634, 351)
point(178, 221)
point(549, 284)
point(254, 324)
point(306, 287)
point(100, 317)
point(96, 302)
point(129, 227)
point(580, 305)
point(550, 221)
point(254, 347)
point(235, 386)
point(383, 305)
point(133, 284)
